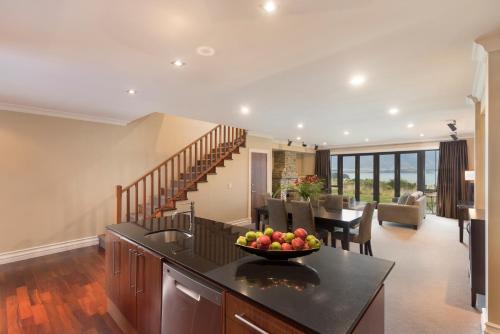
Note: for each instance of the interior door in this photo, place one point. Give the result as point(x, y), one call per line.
point(259, 181)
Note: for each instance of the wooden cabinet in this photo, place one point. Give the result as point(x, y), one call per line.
point(112, 241)
point(149, 291)
point(134, 284)
point(477, 254)
point(244, 317)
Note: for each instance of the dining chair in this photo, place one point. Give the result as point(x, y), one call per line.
point(333, 202)
point(361, 235)
point(278, 217)
point(302, 216)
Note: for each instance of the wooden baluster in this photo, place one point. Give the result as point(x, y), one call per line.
point(127, 214)
point(144, 198)
point(185, 177)
point(172, 177)
point(166, 182)
point(119, 196)
point(195, 159)
point(152, 193)
point(232, 139)
point(211, 149)
point(178, 172)
point(206, 153)
point(190, 163)
point(224, 137)
point(136, 186)
point(220, 141)
point(159, 186)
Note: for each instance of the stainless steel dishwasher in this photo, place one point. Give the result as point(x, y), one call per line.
point(190, 303)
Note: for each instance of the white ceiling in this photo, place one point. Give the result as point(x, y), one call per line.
point(294, 66)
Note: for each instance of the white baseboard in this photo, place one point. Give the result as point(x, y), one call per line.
point(29, 253)
point(486, 326)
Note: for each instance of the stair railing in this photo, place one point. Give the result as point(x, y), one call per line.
point(169, 182)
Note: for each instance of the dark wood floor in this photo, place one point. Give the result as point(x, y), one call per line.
point(59, 293)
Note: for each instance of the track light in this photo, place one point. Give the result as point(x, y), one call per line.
point(304, 144)
point(316, 147)
point(454, 136)
point(452, 125)
point(289, 142)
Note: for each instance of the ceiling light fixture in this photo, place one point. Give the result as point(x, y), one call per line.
point(300, 125)
point(324, 143)
point(304, 144)
point(393, 111)
point(245, 110)
point(346, 133)
point(298, 138)
point(270, 7)
point(410, 125)
point(131, 91)
point(357, 80)
point(367, 139)
point(205, 51)
point(316, 147)
point(421, 135)
point(178, 63)
point(289, 142)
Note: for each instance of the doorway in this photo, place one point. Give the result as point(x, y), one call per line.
point(258, 181)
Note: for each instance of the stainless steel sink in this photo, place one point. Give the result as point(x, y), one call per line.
point(171, 235)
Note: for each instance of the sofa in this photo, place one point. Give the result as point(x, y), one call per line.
point(409, 209)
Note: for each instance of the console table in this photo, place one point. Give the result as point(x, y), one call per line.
point(477, 264)
point(463, 215)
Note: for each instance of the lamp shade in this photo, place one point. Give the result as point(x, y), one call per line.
point(470, 175)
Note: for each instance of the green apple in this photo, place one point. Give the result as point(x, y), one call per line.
point(288, 237)
point(269, 232)
point(242, 241)
point(258, 234)
point(309, 237)
point(275, 246)
point(251, 236)
point(314, 243)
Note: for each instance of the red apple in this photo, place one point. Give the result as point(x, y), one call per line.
point(300, 233)
point(263, 242)
point(276, 236)
point(286, 246)
point(253, 244)
point(297, 243)
point(306, 245)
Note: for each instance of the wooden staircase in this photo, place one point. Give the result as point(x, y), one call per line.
point(157, 191)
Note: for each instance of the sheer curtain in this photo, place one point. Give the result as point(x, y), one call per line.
point(451, 177)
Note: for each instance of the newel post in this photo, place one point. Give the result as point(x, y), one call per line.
point(118, 204)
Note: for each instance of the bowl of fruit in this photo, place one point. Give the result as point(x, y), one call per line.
point(276, 245)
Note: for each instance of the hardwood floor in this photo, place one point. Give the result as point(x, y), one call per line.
point(59, 293)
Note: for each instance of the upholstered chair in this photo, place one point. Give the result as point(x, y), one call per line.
point(333, 202)
point(278, 217)
point(363, 234)
point(302, 216)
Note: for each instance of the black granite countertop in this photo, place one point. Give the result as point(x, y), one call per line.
point(326, 292)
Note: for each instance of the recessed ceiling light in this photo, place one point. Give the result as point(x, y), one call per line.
point(421, 135)
point(270, 7)
point(206, 51)
point(178, 63)
point(346, 132)
point(298, 138)
point(300, 125)
point(324, 143)
point(367, 139)
point(393, 111)
point(245, 110)
point(131, 91)
point(357, 80)
point(410, 125)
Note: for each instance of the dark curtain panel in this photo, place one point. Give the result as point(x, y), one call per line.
point(322, 168)
point(451, 177)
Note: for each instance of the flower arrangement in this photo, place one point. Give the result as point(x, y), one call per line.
point(308, 187)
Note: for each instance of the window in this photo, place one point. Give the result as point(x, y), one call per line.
point(408, 173)
point(349, 176)
point(334, 167)
point(431, 170)
point(366, 178)
point(387, 173)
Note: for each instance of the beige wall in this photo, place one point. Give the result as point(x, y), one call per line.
point(305, 164)
point(58, 175)
point(479, 192)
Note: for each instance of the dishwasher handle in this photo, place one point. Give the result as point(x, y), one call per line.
point(188, 292)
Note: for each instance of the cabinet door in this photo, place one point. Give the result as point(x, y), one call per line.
point(149, 292)
point(128, 281)
point(243, 317)
point(113, 266)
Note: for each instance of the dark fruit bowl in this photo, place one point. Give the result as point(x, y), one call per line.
point(277, 254)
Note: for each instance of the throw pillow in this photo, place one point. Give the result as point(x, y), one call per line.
point(411, 200)
point(403, 198)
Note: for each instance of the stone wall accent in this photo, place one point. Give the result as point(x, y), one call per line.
point(284, 169)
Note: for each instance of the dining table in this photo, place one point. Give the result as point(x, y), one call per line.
point(323, 218)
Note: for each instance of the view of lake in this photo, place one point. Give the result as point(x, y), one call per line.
point(430, 177)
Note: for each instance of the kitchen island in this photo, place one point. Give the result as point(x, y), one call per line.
point(330, 291)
